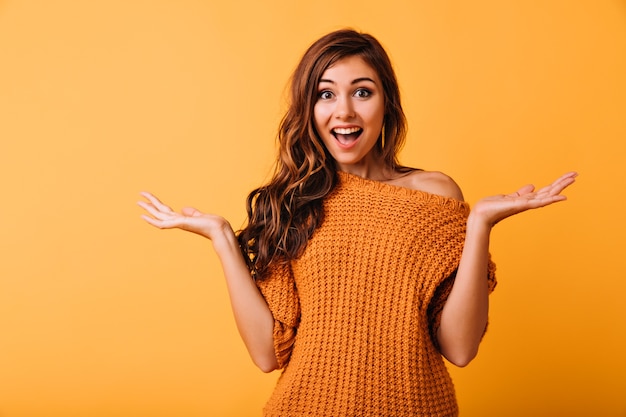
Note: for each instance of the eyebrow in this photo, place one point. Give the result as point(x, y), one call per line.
point(355, 81)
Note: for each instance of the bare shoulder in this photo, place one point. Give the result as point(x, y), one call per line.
point(433, 182)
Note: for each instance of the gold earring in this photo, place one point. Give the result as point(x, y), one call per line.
point(382, 138)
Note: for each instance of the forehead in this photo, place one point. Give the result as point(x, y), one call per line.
point(350, 68)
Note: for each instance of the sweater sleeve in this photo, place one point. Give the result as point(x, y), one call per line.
point(280, 293)
point(441, 296)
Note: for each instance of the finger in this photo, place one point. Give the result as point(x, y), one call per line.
point(549, 199)
point(529, 188)
point(191, 211)
point(560, 183)
point(563, 184)
point(155, 212)
point(571, 174)
point(564, 180)
point(154, 222)
point(558, 186)
point(539, 201)
point(169, 223)
point(156, 202)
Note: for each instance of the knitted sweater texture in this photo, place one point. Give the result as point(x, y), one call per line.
point(355, 315)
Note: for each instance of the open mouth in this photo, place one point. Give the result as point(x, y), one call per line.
point(347, 135)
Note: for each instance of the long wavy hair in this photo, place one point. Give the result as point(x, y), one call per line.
point(283, 214)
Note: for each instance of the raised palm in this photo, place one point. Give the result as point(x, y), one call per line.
point(496, 208)
point(189, 218)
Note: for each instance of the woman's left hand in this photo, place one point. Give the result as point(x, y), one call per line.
point(493, 209)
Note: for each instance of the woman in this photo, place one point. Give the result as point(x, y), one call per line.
point(355, 274)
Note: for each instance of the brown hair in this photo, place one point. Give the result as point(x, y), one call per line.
point(283, 214)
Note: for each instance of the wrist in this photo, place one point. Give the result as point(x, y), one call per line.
point(478, 224)
point(224, 238)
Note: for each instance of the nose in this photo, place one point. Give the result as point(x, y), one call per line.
point(344, 109)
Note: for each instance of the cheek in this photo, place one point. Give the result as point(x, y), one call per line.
point(318, 123)
point(320, 115)
point(373, 112)
point(373, 116)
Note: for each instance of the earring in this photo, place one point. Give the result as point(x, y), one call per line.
point(382, 138)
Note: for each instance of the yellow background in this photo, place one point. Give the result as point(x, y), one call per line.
point(102, 315)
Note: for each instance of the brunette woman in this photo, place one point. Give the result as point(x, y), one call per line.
point(354, 274)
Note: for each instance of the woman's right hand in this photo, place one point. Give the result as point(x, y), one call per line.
point(190, 219)
point(252, 314)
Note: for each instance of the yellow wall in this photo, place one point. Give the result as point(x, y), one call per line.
point(101, 315)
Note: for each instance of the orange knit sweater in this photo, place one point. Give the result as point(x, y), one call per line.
point(356, 313)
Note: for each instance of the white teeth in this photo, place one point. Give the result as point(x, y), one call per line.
point(346, 131)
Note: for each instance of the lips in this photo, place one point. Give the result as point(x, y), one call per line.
point(346, 136)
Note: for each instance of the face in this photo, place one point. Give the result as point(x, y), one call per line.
point(348, 114)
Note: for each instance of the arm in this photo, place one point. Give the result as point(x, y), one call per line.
point(464, 316)
point(252, 314)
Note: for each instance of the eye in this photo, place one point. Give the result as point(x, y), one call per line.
point(325, 95)
point(362, 93)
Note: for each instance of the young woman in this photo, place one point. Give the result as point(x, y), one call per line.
point(354, 274)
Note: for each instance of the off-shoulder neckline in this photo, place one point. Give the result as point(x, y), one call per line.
point(346, 178)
